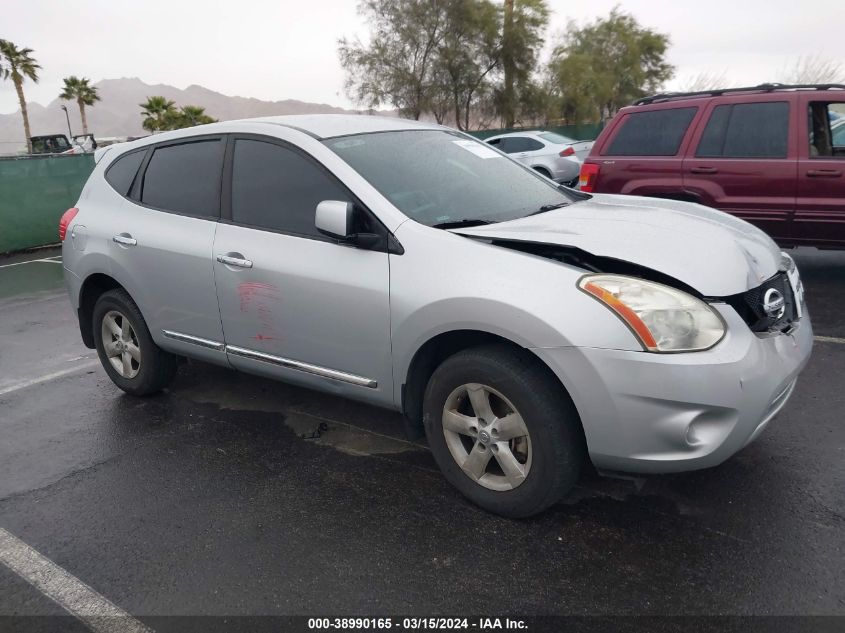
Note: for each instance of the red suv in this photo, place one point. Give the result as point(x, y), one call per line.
point(773, 155)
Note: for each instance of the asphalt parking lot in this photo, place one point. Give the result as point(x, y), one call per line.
point(210, 499)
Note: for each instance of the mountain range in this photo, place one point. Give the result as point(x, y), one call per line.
point(118, 113)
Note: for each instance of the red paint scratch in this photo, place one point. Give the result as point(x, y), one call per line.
point(260, 297)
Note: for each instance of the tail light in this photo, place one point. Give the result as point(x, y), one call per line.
point(589, 176)
point(567, 152)
point(67, 218)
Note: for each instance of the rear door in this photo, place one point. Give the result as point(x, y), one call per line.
point(161, 243)
point(744, 161)
point(820, 207)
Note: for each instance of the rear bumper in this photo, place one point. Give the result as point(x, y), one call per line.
point(566, 169)
point(654, 413)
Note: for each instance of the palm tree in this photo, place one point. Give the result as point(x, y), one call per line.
point(84, 94)
point(19, 66)
point(194, 115)
point(155, 110)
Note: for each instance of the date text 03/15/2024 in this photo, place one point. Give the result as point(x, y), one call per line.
point(417, 623)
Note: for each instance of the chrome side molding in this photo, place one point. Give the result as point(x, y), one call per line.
point(187, 338)
point(308, 368)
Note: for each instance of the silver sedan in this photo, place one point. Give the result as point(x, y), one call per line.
point(551, 154)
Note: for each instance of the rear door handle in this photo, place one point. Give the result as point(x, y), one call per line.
point(125, 239)
point(231, 260)
point(704, 170)
point(824, 173)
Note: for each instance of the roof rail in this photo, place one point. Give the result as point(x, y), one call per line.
point(668, 96)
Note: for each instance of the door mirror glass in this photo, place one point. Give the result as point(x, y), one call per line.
point(334, 218)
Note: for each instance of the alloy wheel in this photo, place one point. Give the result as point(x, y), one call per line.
point(120, 344)
point(487, 437)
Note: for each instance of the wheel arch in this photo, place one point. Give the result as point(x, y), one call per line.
point(437, 349)
point(94, 286)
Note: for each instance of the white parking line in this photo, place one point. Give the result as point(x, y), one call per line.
point(48, 377)
point(97, 612)
point(45, 260)
point(829, 339)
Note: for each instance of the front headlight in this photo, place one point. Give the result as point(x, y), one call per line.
point(663, 319)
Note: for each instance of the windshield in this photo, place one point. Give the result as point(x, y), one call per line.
point(551, 137)
point(440, 177)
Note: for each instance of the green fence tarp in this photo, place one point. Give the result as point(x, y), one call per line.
point(34, 193)
point(579, 132)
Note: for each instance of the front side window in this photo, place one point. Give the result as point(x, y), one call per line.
point(827, 129)
point(651, 133)
point(746, 130)
point(277, 188)
point(437, 177)
point(185, 178)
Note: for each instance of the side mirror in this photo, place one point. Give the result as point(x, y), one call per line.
point(334, 218)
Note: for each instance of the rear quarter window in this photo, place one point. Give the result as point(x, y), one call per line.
point(122, 171)
point(651, 133)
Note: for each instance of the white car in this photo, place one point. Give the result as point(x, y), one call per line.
point(555, 156)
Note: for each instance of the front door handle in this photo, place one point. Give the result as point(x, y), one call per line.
point(824, 173)
point(704, 170)
point(231, 260)
point(125, 239)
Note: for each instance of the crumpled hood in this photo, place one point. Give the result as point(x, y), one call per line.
point(715, 253)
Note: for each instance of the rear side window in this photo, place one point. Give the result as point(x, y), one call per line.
point(651, 133)
point(122, 172)
point(185, 178)
point(514, 144)
point(276, 188)
point(746, 130)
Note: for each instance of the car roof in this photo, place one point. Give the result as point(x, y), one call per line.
point(330, 125)
point(318, 126)
point(520, 133)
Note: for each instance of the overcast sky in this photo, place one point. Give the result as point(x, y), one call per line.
point(286, 49)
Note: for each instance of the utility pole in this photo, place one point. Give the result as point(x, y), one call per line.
point(508, 110)
point(69, 133)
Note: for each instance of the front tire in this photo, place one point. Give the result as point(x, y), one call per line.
point(127, 351)
point(503, 430)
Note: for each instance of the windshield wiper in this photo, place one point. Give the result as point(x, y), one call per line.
point(550, 207)
point(453, 224)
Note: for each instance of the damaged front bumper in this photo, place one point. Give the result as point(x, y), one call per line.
point(653, 413)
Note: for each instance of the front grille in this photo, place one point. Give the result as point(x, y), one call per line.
point(749, 305)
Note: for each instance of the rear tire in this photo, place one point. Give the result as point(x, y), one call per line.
point(543, 172)
point(503, 430)
point(127, 351)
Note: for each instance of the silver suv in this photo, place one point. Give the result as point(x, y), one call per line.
point(527, 327)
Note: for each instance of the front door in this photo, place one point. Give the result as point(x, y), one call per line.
point(295, 304)
point(820, 209)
